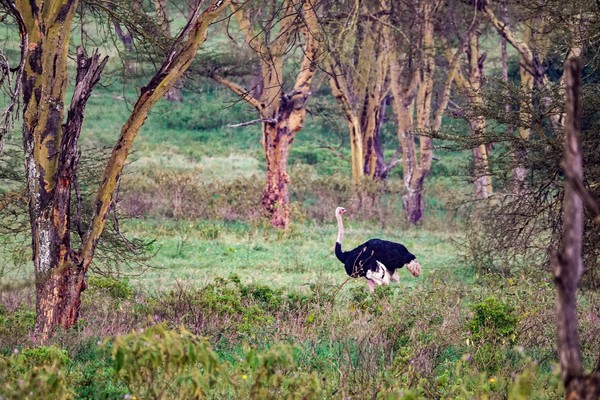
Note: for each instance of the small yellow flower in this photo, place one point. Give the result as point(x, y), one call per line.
point(492, 380)
point(244, 376)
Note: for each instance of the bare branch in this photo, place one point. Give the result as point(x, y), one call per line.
point(396, 159)
point(179, 59)
point(239, 90)
point(15, 92)
point(253, 122)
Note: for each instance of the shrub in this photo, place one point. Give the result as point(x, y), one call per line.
point(493, 330)
point(117, 289)
point(276, 376)
point(36, 373)
point(93, 375)
point(15, 327)
point(159, 363)
point(493, 318)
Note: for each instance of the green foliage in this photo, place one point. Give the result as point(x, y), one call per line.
point(269, 298)
point(362, 299)
point(118, 289)
point(276, 376)
point(15, 326)
point(492, 328)
point(493, 318)
point(35, 374)
point(93, 375)
point(158, 363)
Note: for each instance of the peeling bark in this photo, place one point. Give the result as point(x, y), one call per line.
point(283, 112)
point(415, 93)
point(51, 153)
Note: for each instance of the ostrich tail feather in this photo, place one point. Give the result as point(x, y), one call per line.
point(414, 267)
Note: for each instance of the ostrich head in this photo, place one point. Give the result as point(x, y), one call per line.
point(340, 211)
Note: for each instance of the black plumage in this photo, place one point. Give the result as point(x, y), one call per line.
point(362, 258)
point(376, 260)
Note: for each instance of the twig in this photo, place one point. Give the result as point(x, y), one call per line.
point(254, 121)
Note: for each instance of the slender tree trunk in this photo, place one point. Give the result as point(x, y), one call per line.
point(341, 91)
point(567, 264)
point(412, 199)
point(483, 180)
point(471, 86)
point(162, 12)
point(381, 168)
point(275, 201)
point(371, 112)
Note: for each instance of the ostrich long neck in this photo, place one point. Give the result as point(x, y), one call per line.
point(340, 236)
point(343, 257)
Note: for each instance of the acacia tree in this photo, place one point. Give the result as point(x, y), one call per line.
point(357, 63)
point(281, 112)
point(51, 143)
point(538, 22)
point(567, 264)
point(412, 84)
point(470, 82)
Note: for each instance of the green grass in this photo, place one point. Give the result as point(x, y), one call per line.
point(300, 258)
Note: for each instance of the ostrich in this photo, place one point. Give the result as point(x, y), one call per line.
point(376, 260)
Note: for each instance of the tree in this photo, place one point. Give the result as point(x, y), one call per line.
point(471, 84)
point(533, 48)
point(281, 112)
point(567, 263)
point(162, 12)
point(51, 143)
point(357, 63)
point(412, 85)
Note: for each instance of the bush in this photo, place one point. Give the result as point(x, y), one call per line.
point(159, 363)
point(15, 327)
point(493, 318)
point(37, 373)
point(276, 376)
point(117, 289)
point(93, 375)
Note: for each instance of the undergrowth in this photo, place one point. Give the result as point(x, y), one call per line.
point(231, 339)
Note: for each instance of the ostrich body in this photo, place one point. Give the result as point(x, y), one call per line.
point(376, 260)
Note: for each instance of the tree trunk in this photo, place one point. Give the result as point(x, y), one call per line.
point(44, 90)
point(483, 182)
point(471, 85)
point(341, 91)
point(276, 197)
point(371, 112)
point(162, 13)
point(567, 264)
point(416, 168)
point(50, 146)
point(412, 200)
point(413, 203)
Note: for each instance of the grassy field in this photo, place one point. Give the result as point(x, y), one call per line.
point(290, 261)
point(230, 306)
